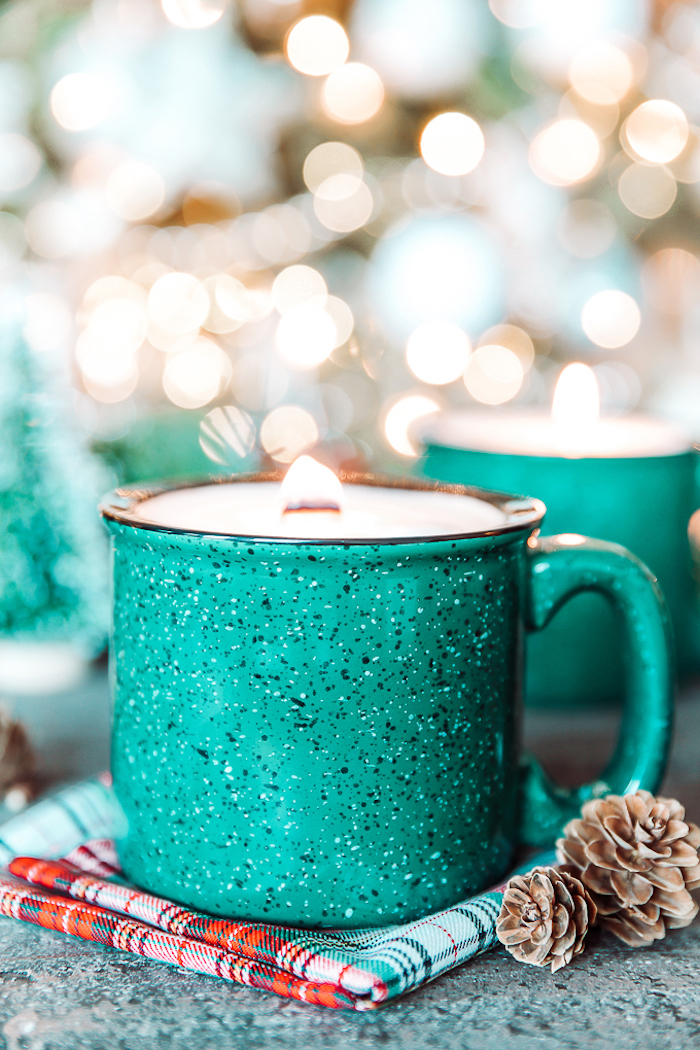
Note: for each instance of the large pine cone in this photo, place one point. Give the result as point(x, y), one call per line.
point(638, 857)
point(544, 917)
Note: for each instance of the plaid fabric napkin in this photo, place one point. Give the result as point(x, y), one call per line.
point(61, 872)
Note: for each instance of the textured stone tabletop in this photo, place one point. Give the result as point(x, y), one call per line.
point(58, 993)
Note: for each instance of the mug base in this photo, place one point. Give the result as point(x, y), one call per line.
point(350, 914)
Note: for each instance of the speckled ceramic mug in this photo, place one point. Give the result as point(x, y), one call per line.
point(326, 733)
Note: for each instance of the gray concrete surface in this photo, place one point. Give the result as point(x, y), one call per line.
point(58, 993)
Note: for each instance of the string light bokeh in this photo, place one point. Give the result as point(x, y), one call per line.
point(249, 230)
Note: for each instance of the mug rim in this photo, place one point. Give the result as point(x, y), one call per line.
point(526, 512)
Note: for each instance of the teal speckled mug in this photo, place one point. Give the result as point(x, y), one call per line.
point(326, 732)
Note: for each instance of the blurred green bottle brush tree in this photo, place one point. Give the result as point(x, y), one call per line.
point(53, 556)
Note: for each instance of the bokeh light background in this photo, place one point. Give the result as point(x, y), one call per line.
point(247, 231)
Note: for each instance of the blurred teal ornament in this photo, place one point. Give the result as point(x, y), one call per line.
point(555, 30)
point(53, 555)
point(196, 106)
point(421, 48)
point(447, 267)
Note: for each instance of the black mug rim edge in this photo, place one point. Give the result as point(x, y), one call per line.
point(119, 504)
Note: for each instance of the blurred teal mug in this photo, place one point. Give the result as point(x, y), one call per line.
point(325, 731)
point(578, 661)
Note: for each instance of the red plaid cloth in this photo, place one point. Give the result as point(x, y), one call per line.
point(82, 895)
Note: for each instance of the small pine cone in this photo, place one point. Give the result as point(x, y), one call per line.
point(638, 858)
point(544, 917)
point(16, 756)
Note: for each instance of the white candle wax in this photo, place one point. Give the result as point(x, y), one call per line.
point(538, 434)
point(368, 512)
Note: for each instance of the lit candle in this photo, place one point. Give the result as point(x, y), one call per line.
point(629, 480)
point(574, 428)
point(311, 503)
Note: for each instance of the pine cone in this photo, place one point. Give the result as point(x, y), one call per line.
point(16, 756)
point(638, 858)
point(544, 917)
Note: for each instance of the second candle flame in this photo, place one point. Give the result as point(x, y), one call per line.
point(309, 486)
point(576, 397)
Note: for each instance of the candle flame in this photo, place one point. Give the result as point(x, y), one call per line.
point(576, 398)
point(308, 485)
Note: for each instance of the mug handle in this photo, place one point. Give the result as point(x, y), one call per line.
point(559, 567)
